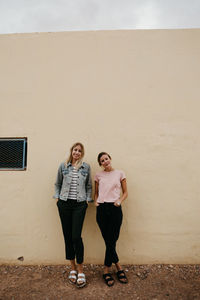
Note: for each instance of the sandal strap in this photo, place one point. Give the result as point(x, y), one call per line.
point(82, 275)
point(72, 276)
point(108, 277)
point(121, 274)
point(73, 272)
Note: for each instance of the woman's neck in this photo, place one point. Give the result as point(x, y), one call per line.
point(109, 169)
point(74, 162)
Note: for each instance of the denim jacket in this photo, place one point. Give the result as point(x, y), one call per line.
point(64, 178)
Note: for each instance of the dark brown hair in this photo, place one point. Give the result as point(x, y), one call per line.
point(100, 155)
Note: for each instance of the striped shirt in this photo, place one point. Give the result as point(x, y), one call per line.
point(73, 186)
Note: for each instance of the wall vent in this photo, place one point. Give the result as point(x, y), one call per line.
point(13, 153)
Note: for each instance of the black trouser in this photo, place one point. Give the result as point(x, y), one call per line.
point(109, 219)
point(72, 214)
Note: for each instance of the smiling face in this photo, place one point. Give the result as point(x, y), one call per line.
point(105, 161)
point(77, 153)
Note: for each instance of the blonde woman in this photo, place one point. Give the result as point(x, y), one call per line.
point(108, 199)
point(73, 190)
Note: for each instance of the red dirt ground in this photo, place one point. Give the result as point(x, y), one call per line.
point(156, 282)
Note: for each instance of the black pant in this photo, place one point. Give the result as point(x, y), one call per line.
point(109, 218)
point(72, 214)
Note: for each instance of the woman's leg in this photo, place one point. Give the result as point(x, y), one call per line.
point(109, 219)
point(73, 264)
point(114, 226)
point(65, 213)
point(102, 218)
point(78, 219)
point(78, 216)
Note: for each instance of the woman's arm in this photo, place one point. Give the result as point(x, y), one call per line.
point(124, 193)
point(88, 187)
point(58, 183)
point(96, 193)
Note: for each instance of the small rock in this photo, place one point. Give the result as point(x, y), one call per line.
point(21, 258)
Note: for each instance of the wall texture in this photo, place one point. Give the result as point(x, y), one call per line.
point(134, 94)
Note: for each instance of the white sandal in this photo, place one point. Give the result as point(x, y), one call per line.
point(72, 275)
point(81, 281)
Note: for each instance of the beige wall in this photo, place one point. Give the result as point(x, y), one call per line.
point(134, 94)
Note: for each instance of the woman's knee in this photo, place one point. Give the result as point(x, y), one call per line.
point(77, 240)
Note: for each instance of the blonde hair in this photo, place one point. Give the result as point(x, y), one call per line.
point(79, 162)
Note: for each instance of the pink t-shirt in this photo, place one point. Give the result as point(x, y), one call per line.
point(109, 185)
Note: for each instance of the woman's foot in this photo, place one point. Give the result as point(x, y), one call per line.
point(109, 280)
point(81, 281)
point(73, 273)
point(72, 276)
point(121, 276)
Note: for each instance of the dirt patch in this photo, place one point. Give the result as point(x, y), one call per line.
point(156, 282)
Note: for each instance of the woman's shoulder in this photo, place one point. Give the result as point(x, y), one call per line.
point(99, 173)
point(62, 165)
point(121, 174)
point(119, 171)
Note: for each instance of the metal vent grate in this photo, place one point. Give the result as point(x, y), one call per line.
point(13, 153)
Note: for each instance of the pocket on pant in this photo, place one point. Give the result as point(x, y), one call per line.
point(59, 203)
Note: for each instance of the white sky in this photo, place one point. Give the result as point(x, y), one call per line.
point(18, 16)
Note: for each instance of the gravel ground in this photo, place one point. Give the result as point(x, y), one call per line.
point(145, 282)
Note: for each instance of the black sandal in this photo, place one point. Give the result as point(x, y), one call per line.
point(121, 276)
point(107, 278)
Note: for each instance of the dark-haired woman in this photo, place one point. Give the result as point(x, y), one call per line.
point(108, 198)
point(73, 190)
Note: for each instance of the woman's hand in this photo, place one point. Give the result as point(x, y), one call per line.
point(117, 203)
point(124, 193)
point(96, 193)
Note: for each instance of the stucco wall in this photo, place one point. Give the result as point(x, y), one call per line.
point(134, 94)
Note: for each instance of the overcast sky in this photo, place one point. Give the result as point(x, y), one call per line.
point(18, 16)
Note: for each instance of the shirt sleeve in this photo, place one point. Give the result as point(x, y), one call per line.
point(96, 178)
point(122, 175)
point(58, 183)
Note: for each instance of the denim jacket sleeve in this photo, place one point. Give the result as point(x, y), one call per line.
point(58, 183)
point(88, 186)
